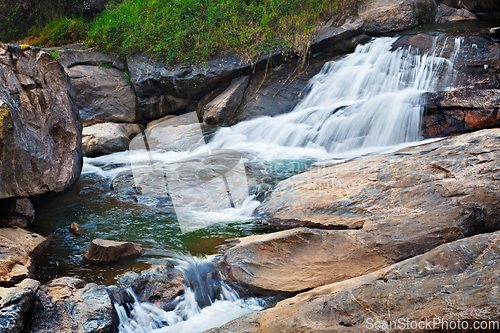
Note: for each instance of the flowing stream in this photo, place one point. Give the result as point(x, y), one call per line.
point(367, 102)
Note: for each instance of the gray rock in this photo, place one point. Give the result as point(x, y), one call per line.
point(446, 14)
point(158, 285)
point(40, 131)
point(16, 304)
point(155, 107)
point(103, 95)
point(103, 251)
point(71, 305)
point(75, 55)
point(152, 77)
point(220, 111)
point(107, 138)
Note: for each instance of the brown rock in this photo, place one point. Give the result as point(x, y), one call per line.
point(40, 133)
point(394, 15)
point(103, 251)
point(16, 304)
point(71, 305)
point(461, 110)
point(77, 230)
point(16, 248)
point(220, 111)
point(392, 206)
point(103, 95)
point(455, 281)
point(446, 14)
point(107, 138)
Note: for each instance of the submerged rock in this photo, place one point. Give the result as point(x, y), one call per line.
point(392, 207)
point(107, 138)
point(40, 131)
point(71, 305)
point(16, 304)
point(103, 251)
point(453, 282)
point(16, 247)
point(103, 95)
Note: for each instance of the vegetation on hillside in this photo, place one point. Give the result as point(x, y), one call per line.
point(193, 30)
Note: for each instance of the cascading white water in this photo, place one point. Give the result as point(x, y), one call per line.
point(207, 302)
point(368, 100)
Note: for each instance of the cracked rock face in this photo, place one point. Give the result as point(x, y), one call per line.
point(40, 131)
point(389, 207)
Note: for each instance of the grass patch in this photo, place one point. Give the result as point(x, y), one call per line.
point(61, 31)
point(192, 30)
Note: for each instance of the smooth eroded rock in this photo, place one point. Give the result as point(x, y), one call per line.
point(75, 55)
point(103, 251)
point(103, 95)
point(40, 131)
point(16, 248)
point(220, 111)
point(71, 305)
point(445, 14)
point(390, 207)
point(107, 138)
point(16, 304)
point(453, 282)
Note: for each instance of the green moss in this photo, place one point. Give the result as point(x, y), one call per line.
point(4, 112)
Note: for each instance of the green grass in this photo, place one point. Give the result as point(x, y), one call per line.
point(194, 30)
point(190, 31)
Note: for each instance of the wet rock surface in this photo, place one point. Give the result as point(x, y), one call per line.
point(16, 304)
point(17, 247)
point(159, 285)
point(103, 95)
point(390, 207)
point(452, 282)
point(103, 251)
point(40, 131)
point(71, 305)
point(107, 138)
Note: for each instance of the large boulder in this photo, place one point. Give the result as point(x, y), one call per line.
point(16, 248)
point(383, 16)
point(379, 210)
point(71, 305)
point(103, 95)
point(107, 138)
point(103, 251)
point(16, 304)
point(453, 283)
point(445, 14)
point(40, 131)
point(152, 77)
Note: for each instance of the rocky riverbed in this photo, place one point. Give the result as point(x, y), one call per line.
point(410, 234)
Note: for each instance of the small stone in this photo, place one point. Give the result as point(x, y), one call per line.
point(77, 230)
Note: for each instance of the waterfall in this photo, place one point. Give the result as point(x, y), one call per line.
point(364, 102)
point(207, 302)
